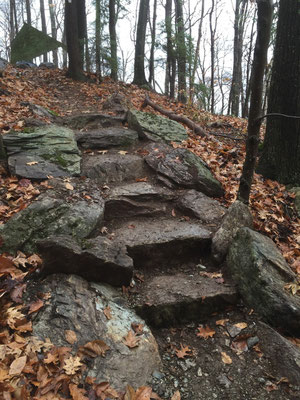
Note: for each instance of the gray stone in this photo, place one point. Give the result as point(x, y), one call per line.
point(49, 150)
point(156, 128)
point(153, 242)
point(3, 64)
point(47, 65)
point(176, 299)
point(25, 64)
point(93, 121)
point(237, 216)
point(107, 138)
point(202, 207)
point(117, 103)
point(50, 216)
point(114, 168)
point(98, 259)
point(139, 198)
point(184, 168)
point(261, 274)
point(283, 355)
point(79, 306)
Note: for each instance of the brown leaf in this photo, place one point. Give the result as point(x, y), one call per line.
point(17, 366)
point(131, 340)
point(137, 328)
point(143, 393)
point(145, 179)
point(176, 396)
point(70, 336)
point(241, 325)
point(222, 322)
point(35, 306)
point(76, 393)
point(94, 348)
point(183, 352)
point(35, 260)
point(16, 294)
point(107, 312)
point(69, 186)
point(205, 332)
point(225, 358)
point(72, 365)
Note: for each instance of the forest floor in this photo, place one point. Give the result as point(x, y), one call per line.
point(193, 369)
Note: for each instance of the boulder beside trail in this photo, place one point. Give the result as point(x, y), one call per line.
point(98, 259)
point(182, 167)
point(156, 128)
point(264, 279)
point(236, 217)
point(51, 215)
point(106, 138)
point(49, 150)
point(80, 306)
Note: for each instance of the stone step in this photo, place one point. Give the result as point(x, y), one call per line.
point(165, 241)
point(137, 199)
point(171, 300)
point(106, 138)
point(114, 168)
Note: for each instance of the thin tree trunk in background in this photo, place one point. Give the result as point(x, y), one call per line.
point(171, 59)
point(113, 40)
point(98, 37)
point(28, 11)
point(264, 22)
point(212, 58)
point(196, 57)
point(44, 27)
point(53, 29)
point(139, 57)
point(153, 38)
point(82, 30)
point(65, 53)
point(181, 51)
point(12, 32)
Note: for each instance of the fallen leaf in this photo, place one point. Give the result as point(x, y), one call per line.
point(76, 393)
point(107, 312)
point(70, 336)
point(72, 365)
point(241, 325)
point(137, 328)
point(17, 366)
point(131, 340)
point(222, 322)
point(173, 213)
point(35, 306)
point(176, 396)
point(183, 352)
point(102, 151)
point(205, 332)
point(123, 152)
point(94, 348)
point(145, 179)
point(225, 358)
point(32, 163)
point(16, 294)
point(69, 186)
point(35, 260)
point(270, 387)
point(143, 393)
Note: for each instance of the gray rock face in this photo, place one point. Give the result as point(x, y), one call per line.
point(50, 216)
point(184, 168)
point(283, 355)
point(93, 121)
point(200, 206)
point(47, 65)
point(135, 199)
point(114, 168)
point(163, 241)
point(3, 64)
point(49, 150)
point(107, 138)
point(156, 128)
point(261, 273)
point(98, 260)
point(79, 306)
point(176, 299)
point(237, 216)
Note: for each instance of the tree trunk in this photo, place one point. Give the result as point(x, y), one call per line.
point(280, 158)
point(113, 40)
point(98, 38)
point(264, 22)
point(212, 57)
point(28, 11)
point(44, 27)
point(72, 36)
point(53, 29)
point(12, 32)
point(181, 51)
point(139, 63)
point(153, 38)
point(82, 30)
point(171, 59)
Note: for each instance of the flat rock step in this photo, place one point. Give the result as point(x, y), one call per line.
point(106, 138)
point(170, 300)
point(163, 241)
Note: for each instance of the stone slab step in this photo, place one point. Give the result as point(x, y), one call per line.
point(170, 300)
point(163, 241)
point(106, 138)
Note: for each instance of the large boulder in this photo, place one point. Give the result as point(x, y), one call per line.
point(184, 168)
point(51, 215)
point(48, 150)
point(156, 128)
point(93, 121)
point(237, 216)
point(264, 279)
point(80, 306)
point(106, 138)
point(98, 259)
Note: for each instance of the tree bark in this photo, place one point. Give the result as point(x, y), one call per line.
point(44, 27)
point(153, 38)
point(139, 63)
point(179, 118)
point(212, 57)
point(264, 22)
point(82, 30)
point(171, 59)
point(28, 11)
point(53, 29)
point(181, 51)
point(98, 37)
point(113, 40)
point(280, 158)
point(12, 32)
